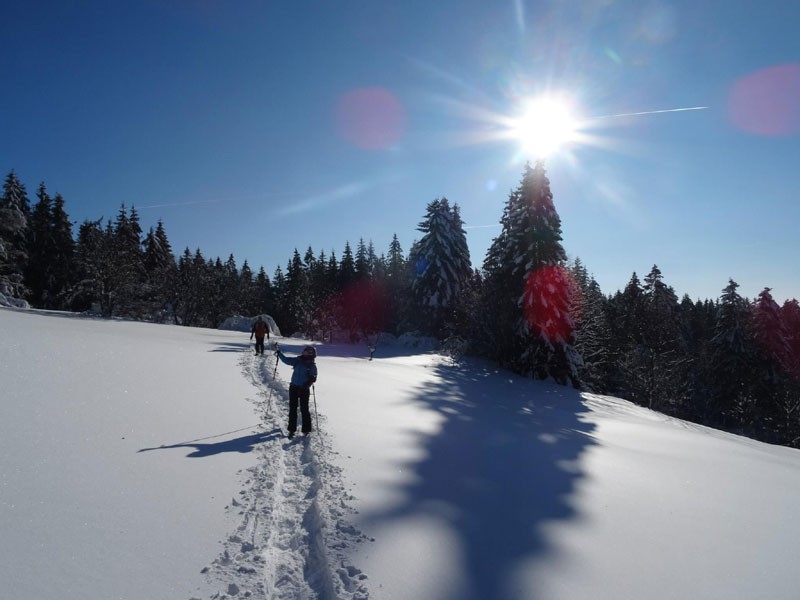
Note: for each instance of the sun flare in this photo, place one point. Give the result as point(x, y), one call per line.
point(545, 126)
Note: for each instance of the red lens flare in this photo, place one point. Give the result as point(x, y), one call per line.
point(546, 303)
point(370, 118)
point(767, 102)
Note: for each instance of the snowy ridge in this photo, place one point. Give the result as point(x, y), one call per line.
point(293, 536)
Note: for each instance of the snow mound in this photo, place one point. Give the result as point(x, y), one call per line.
point(412, 340)
point(245, 324)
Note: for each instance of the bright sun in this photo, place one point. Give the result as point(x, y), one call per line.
point(545, 126)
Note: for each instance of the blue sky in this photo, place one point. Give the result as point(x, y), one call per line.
point(253, 128)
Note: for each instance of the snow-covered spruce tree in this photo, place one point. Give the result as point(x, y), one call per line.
point(263, 293)
point(327, 313)
point(771, 337)
point(356, 298)
point(626, 316)
point(280, 300)
point(192, 289)
point(442, 267)
point(347, 268)
point(247, 295)
point(129, 271)
point(527, 286)
point(699, 320)
point(770, 334)
point(223, 291)
point(731, 356)
point(48, 273)
point(790, 313)
point(665, 366)
point(14, 215)
point(362, 262)
point(161, 274)
point(789, 400)
point(40, 247)
point(592, 330)
point(397, 285)
point(321, 291)
point(297, 295)
point(62, 260)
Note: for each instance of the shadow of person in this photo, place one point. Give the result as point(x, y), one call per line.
point(231, 346)
point(242, 444)
point(500, 468)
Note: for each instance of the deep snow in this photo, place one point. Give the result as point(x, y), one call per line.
point(147, 461)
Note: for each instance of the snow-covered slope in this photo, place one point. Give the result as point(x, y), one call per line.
point(147, 461)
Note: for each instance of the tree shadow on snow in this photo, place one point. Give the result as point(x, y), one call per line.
point(502, 466)
point(242, 444)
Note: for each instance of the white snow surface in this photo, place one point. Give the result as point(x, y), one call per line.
point(144, 461)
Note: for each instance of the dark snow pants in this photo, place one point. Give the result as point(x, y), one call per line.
point(259, 345)
point(299, 394)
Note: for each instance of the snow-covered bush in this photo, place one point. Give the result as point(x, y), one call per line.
point(13, 302)
point(245, 324)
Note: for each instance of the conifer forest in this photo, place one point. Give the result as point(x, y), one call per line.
point(732, 362)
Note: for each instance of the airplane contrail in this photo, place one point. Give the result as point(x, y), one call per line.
point(170, 204)
point(648, 112)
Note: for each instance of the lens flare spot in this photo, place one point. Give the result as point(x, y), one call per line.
point(370, 118)
point(767, 102)
point(547, 300)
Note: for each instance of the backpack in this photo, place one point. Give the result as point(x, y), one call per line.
point(260, 328)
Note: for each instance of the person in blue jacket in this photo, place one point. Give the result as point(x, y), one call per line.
point(304, 374)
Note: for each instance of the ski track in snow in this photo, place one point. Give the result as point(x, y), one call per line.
point(294, 533)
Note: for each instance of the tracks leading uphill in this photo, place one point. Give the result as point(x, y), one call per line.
point(293, 535)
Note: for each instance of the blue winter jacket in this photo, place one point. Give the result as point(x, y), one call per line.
point(304, 370)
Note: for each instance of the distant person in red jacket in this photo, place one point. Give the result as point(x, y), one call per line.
point(260, 330)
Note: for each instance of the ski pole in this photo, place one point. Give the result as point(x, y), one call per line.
point(271, 387)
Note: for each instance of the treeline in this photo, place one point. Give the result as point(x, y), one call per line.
point(730, 363)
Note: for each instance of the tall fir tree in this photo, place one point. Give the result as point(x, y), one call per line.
point(592, 330)
point(362, 265)
point(662, 366)
point(299, 308)
point(699, 319)
point(347, 268)
point(790, 313)
point(129, 270)
point(789, 396)
point(38, 276)
point(527, 287)
point(397, 286)
point(14, 217)
point(731, 358)
point(772, 360)
point(442, 267)
point(626, 315)
point(280, 298)
point(161, 274)
point(248, 303)
point(192, 289)
point(95, 269)
point(62, 260)
point(263, 293)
